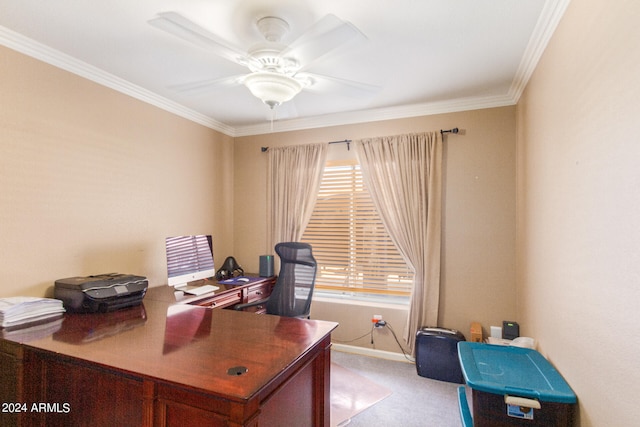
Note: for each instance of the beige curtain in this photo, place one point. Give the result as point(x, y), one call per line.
point(294, 174)
point(403, 175)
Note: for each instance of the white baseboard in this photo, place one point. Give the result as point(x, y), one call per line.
point(389, 355)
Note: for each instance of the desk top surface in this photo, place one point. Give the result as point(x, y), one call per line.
point(185, 344)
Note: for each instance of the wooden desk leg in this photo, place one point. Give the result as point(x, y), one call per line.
point(323, 386)
point(149, 394)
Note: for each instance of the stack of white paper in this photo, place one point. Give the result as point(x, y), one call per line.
point(22, 310)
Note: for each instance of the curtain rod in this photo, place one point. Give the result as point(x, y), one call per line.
point(344, 141)
point(348, 141)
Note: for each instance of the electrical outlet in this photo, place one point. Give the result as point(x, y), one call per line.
point(380, 324)
point(376, 318)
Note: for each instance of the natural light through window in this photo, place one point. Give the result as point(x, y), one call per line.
point(355, 255)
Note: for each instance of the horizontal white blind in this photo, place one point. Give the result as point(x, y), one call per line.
point(353, 250)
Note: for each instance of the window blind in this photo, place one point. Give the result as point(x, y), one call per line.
point(355, 254)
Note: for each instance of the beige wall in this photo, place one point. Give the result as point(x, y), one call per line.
point(86, 180)
point(479, 218)
point(579, 207)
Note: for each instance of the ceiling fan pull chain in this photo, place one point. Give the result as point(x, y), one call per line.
point(273, 112)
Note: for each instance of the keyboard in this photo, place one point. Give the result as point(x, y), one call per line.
point(199, 290)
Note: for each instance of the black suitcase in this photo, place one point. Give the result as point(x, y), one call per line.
point(437, 354)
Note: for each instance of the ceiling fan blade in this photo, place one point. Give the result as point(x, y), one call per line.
point(323, 37)
point(187, 30)
point(334, 85)
point(207, 84)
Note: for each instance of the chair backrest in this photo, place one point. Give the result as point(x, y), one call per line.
point(293, 290)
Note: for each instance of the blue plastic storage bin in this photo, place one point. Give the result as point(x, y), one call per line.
point(514, 386)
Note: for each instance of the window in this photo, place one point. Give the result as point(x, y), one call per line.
point(355, 254)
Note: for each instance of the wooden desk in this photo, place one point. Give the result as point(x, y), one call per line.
point(166, 364)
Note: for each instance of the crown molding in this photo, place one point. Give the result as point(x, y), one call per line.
point(378, 114)
point(550, 17)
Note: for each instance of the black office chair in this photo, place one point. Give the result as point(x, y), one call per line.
point(293, 290)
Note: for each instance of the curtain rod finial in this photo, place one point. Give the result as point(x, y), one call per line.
point(454, 130)
point(264, 149)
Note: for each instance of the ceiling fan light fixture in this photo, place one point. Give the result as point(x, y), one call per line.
point(272, 88)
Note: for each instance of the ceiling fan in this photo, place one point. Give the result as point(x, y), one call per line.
point(277, 72)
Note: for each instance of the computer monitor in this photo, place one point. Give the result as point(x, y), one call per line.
point(189, 258)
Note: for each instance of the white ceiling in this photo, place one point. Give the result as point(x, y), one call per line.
point(421, 56)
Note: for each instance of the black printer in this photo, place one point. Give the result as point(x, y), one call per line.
point(100, 293)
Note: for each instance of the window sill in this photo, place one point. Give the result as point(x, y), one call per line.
point(382, 302)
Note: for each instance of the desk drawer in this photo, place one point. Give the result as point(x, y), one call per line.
point(222, 300)
point(258, 291)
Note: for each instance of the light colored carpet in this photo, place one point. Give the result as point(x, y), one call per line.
point(351, 394)
point(414, 401)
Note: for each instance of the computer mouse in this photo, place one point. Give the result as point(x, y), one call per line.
point(243, 279)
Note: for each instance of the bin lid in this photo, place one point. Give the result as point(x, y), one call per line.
point(514, 371)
